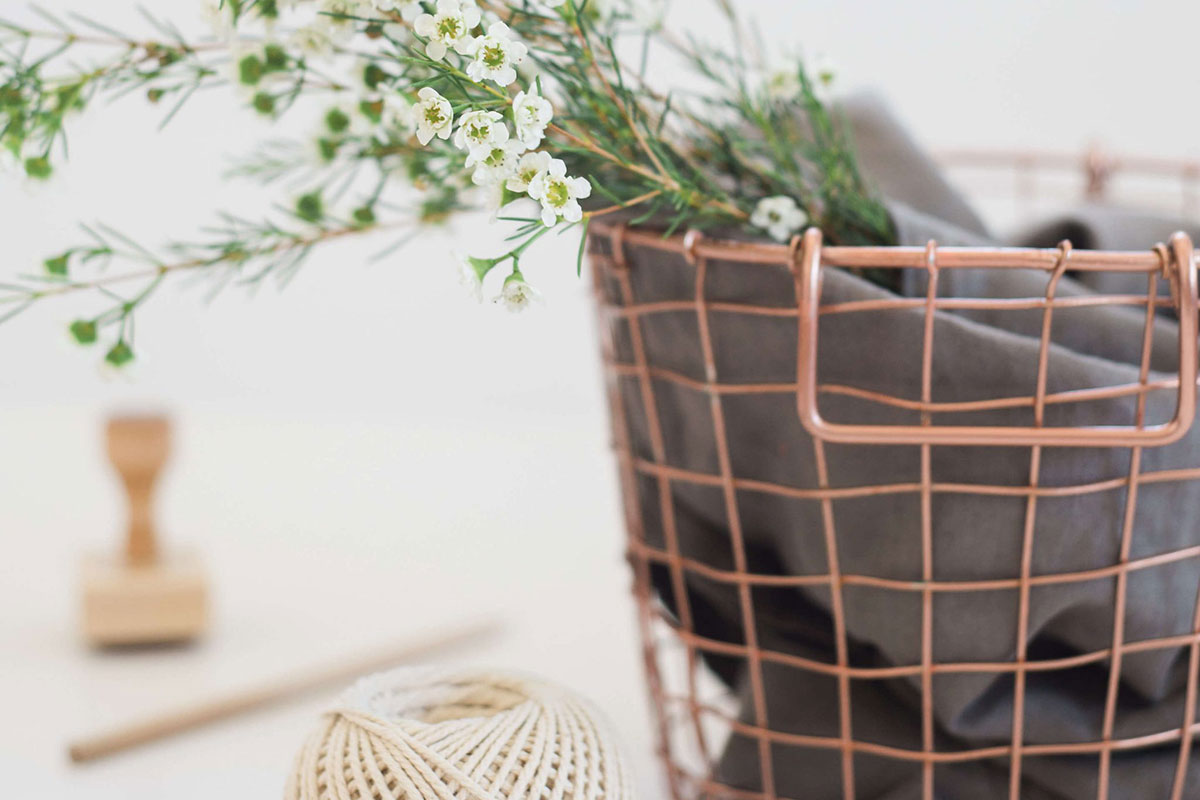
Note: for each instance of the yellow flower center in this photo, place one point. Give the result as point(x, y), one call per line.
point(449, 28)
point(493, 56)
point(558, 193)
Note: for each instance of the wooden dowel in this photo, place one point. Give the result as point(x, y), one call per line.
point(276, 691)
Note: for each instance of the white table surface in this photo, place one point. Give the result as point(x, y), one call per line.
point(323, 540)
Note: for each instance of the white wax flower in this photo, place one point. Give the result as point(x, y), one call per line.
point(528, 168)
point(338, 17)
point(822, 72)
point(784, 84)
point(471, 272)
point(398, 115)
point(449, 28)
point(532, 113)
point(779, 216)
point(497, 165)
point(496, 56)
point(220, 20)
point(517, 295)
point(480, 132)
point(559, 194)
point(434, 116)
point(409, 9)
point(314, 40)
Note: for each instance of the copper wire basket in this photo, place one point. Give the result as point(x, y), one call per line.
point(692, 720)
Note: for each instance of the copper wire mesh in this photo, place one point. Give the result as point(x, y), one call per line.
point(692, 719)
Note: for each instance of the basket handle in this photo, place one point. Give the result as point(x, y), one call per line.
point(807, 268)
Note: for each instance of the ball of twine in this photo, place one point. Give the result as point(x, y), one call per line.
point(466, 735)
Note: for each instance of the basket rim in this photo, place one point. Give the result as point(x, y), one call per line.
point(697, 244)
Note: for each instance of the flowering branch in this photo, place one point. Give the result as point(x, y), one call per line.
point(501, 104)
point(249, 253)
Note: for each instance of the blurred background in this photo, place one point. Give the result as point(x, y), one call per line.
point(366, 454)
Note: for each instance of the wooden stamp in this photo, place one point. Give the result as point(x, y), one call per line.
point(141, 596)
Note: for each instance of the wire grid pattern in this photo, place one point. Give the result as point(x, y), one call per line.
point(685, 718)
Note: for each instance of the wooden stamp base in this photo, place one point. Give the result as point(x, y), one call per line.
point(161, 602)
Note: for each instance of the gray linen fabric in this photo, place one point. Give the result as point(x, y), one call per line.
point(976, 536)
point(898, 166)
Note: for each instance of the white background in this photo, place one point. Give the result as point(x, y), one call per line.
point(367, 454)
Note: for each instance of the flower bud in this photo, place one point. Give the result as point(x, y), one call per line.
point(372, 109)
point(276, 58)
point(364, 216)
point(373, 75)
point(250, 70)
point(83, 331)
point(57, 265)
point(327, 148)
point(310, 207)
point(119, 354)
point(38, 167)
point(264, 103)
point(337, 120)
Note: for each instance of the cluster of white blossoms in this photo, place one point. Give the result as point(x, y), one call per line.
point(500, 158)
point(501, 150)
point(783, 83)
point(333, 25)
point(493, 56)
point(781, 217)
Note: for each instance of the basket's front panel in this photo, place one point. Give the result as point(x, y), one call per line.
point(839, 620)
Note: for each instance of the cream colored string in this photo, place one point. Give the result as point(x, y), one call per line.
point(420, 735)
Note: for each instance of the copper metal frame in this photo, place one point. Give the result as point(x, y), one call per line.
point(931, 259)
point(681, 712)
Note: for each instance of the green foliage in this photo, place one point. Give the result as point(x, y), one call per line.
point(37, 97)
